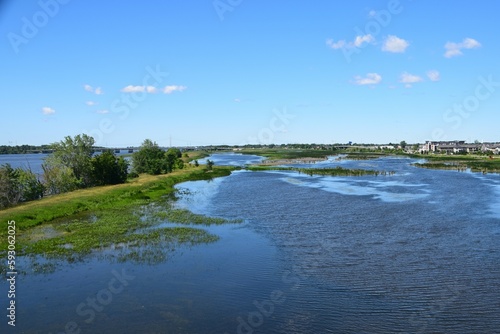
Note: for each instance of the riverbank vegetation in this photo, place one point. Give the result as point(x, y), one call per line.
point(337, 171)
point(463, 163)
point(73, 165)
point(77, 223)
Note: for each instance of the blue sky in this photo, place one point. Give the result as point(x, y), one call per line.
point(239, 71)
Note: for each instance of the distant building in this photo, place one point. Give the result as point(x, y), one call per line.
point(457, 147)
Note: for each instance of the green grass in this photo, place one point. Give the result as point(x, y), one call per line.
point(338, 171)
point(77, 223)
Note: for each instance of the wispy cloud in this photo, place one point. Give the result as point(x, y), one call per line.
point(433, 75)
point(97, 91)
point(356, 43)
point(152, 89)
point(48, 111)
point(91, 103)
point(409, 79)
point(104, 111)
point(173, 88)
point(455, 49)
point(134, 89)
point(370, 79)
point(395, 44)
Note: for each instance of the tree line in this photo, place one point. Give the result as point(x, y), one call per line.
point(22, 149)
point(73, 165)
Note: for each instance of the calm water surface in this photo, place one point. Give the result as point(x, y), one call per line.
point(416, 252)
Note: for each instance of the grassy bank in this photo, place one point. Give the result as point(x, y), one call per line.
point(76, 223)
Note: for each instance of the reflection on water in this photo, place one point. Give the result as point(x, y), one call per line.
point(414, 252)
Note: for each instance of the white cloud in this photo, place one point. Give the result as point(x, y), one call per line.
point(151, 89)
point(395, 44)
point(104, 111)
point(370, 79)
point(48, 111)
point(455, 49)
point(359, 40)
point(173, 88)
point(237, 100)
point(91, 103)
point(91, 89)
point(409, 79)
point(357, 43)
point(134, 89)
point(335, 45)
point(433, 75)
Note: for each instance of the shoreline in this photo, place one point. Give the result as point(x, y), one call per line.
point(77, 224)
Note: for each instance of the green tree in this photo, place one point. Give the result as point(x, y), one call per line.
point(30, 186)
point(9, 186)
point(75, 154)
point(150, 159)
point(173, 156)
point(18, 185)
point(196, 163)
point(106, 168)
point(403, 144)
point(58, 178)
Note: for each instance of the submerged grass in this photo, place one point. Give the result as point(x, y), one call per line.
point(76, 224)
point(181, 216)
point(276, 154)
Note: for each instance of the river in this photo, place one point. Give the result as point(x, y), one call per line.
point(413, 252)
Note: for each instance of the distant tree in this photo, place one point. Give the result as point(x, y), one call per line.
point(150, 159)
point(403, 144)
point(196, 163)
point(108, 169)
point(210, 164)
